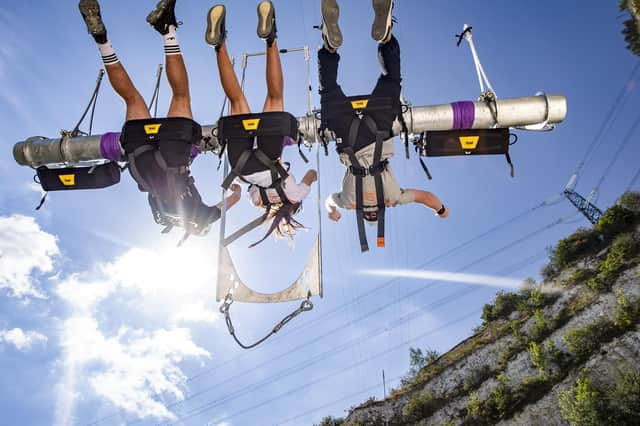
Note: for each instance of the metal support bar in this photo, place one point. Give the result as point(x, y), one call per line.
point(514, 112)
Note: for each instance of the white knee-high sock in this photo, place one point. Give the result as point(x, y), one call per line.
point(109, 56)
point(171, 45)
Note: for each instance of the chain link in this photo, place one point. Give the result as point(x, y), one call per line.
point(305, 306)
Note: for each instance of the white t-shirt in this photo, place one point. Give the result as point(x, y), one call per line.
point(393, 194)
point(295, 192)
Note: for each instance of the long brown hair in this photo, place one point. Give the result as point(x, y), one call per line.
point(283, 224)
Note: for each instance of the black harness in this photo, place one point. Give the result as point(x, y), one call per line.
point(159, 154)
point(360, 108)
point(254, 143)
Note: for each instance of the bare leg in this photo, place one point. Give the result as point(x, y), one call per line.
point(230, 83)
point(179, 81)
point(275, 81)
point(121, 83)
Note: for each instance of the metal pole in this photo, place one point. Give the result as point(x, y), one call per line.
point(512, 112)
point(384, 386)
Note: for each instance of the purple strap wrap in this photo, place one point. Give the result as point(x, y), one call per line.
point(288, 141)
point(464, 113)
point(110, 146)
point(194, 151)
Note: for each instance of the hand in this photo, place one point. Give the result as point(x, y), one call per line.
point(235, 188)
point(335, 215)
point(445, 214)
point(310, 177)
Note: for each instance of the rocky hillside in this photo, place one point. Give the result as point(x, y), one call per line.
point(565, 352)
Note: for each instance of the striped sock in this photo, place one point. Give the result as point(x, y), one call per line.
point(171, 46)
point(108, 54)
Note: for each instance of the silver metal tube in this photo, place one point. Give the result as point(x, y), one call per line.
point(512, 112)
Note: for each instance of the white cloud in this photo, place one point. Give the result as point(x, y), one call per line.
point(196, 312)
point(488, 280)
point(23, 341)
point(133, 365)
point(119, 361)
point(24, 248)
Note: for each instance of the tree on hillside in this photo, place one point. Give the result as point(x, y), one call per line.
point(631, 29)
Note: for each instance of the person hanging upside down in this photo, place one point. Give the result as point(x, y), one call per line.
point(257, 160)
point(363, 126)
point(159, 151)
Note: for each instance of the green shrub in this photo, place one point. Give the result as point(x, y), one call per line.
point(417, 361)
point(575, 246)
point(581, 405)
point(422, 405)
point(543, 355)
point(625, 399)
point(630, 201)
point(504, 304)
point(583, 341)
point(614, 221)
point(474, 406)
point(579, 276)
point(500, 400)
point(549, 271)
point(477, 377)
point(331, 421)
point(536, 356)
point(624, 248)
point(541, 326)
point(627, 312)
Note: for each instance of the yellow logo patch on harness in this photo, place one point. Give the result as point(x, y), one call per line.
point(251, 124)
point(469, 142)
point(361, 104)
point(68, 180)
point(152, 129)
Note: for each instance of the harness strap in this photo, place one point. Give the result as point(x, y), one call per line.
point(133, 169)
point(237, 170)
point(376, 171)
point(278, 174)
point(511, 168)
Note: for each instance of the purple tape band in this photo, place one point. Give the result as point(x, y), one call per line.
point(110, 146)
point(464, 113)
point(194, 151)
point(287, 141)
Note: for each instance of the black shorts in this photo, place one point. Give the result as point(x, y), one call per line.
point(271, 145)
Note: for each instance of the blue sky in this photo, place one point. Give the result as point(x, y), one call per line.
point(102, 320)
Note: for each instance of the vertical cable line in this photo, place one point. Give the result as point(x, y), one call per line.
point(373, 312)
point(515, 267)
point(323, 356)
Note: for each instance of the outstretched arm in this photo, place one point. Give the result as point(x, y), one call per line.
point(332, 207)
point(429, 200)
point(233, 198)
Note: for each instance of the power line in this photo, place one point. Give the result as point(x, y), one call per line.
point(617, 105)
point(624, 143)
point(307, 362)
point(337, 372)
point(336, 401)
point(413, 315)
point(374, 290)
point(517, 266)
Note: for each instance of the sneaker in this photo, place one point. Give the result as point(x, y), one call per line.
point(216, 30)
point(267, 22)
point(90, 10)
point(331, 34)
point(163, 15)
point(383, 22)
